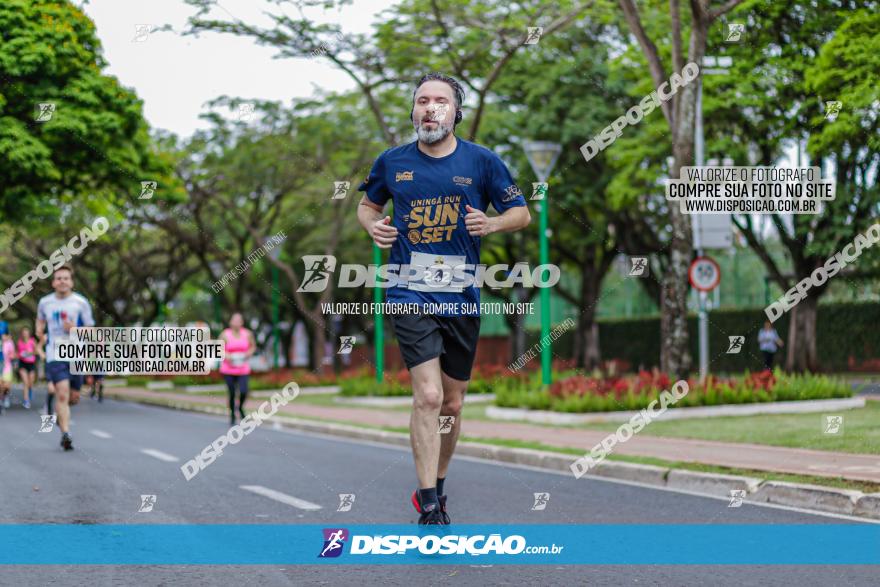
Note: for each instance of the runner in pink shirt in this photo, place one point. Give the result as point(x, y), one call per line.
point(27, 365)
point(8, 349)
point(240, 346)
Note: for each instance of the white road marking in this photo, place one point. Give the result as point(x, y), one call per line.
point(101, 434)
point(282, 497)
point(158, 454)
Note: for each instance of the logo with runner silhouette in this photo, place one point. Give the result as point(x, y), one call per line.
point(541, 500)
point(736, 344)
point(334, 540)
point(346, 500)
point(346, 345)
point(319, 268)
point(47, 423)
point(147, 503)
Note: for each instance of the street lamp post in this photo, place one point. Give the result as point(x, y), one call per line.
point(542, 156)
point(711, 65)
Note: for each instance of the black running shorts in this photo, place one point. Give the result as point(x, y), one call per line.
point(452, 338)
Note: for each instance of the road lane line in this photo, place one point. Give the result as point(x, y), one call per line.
point(282, 497)
point(158, 454)
point(101, 434)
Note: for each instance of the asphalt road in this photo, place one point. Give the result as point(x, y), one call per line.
point(125, 450)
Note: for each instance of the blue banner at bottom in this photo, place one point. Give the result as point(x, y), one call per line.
point(258, 544)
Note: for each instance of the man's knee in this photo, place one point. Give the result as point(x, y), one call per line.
point(452, 403)
point(427, 397)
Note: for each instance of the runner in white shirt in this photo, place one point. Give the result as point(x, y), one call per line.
point(57, 313)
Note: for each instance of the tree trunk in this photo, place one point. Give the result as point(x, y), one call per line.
point(579, 344)
point(588, 330)
point(319, 337)
point(801, 355)
point(592, 352)
point(674, 356)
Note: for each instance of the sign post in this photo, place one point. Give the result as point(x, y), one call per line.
point(704, 275)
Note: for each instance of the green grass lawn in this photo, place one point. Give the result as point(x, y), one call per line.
point(861, 432)
point(861, 429)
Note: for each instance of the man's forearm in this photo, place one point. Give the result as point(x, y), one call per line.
point(368, 216)
point(511, 220)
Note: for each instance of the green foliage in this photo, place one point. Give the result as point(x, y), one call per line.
point(95, 149)
point(848, 69)
point(845, 336)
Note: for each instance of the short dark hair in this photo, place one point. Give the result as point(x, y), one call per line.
point(457, 90)
point(63, 268)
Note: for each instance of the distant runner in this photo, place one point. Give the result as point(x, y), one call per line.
point(57, 313)
point(27, 365)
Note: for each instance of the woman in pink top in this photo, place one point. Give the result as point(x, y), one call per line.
point(8, 348)
point(240, 346)
point(27, 365)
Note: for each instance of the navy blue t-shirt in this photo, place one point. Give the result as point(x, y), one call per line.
point(429, 196)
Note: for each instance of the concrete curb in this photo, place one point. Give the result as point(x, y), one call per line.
point(868, 506)
point(647, 474)
point(405, 400)
point(710, 483)
point(811, 497)
point(205, 387)
point(798, 407)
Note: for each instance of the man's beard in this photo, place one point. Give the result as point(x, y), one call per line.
point(429, 137)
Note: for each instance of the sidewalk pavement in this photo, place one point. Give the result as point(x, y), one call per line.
point(861, 467)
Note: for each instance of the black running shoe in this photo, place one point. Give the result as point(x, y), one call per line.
point(431, 515)
point(436, 515)
point(66, 441)
point(443, 513)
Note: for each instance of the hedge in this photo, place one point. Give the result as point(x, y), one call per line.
point(847, 338)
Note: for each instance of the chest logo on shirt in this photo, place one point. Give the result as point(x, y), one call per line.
point(433, 220)
point(403, 176)
point(459, 180)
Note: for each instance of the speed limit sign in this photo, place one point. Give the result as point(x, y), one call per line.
point(704, 274)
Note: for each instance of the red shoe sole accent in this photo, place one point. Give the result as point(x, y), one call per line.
point(415, 501)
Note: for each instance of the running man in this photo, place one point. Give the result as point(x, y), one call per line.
point(96, 380)
point(441, 187)
point(57, 313)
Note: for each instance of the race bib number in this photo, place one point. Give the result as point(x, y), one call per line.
point(435, 273)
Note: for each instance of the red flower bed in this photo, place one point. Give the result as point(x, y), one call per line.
point(645, 382)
